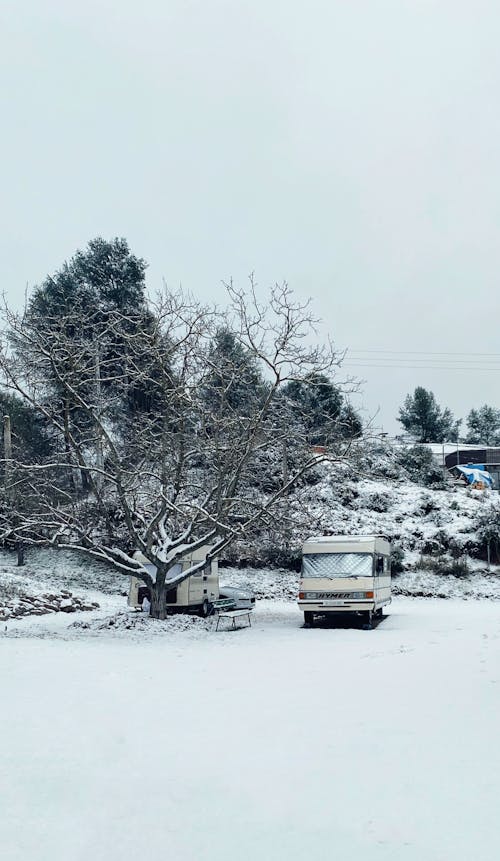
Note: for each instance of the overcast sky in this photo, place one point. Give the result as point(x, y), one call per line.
point(349, 146)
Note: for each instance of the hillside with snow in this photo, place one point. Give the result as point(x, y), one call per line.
point(439, 531)
point(437, 534)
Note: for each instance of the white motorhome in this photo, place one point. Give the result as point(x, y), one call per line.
point(195, 594)
point(345, 574)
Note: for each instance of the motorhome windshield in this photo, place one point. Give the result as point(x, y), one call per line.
point(333, 565)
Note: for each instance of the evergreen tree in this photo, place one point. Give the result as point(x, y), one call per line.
point(233, 381)
point(31, 434)
point(93, 304)
point(352, 426)
point(105, 276)
point(422, 417)
point(322, 409)
point(484, 426)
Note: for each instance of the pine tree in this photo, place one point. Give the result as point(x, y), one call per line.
point(422, 417)
point(233, 381)
point(484, 426)
point(95, 301)
point(322, 409)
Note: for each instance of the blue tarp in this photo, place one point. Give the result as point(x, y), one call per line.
point(476, 472)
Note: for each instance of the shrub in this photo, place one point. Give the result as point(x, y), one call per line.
point(422, 468)
point(380, 462)
point(379, 502)
point(397, 560)
point(487, 526)
point(426, 505)
point(454, 568)
point(8, 591)
point(277, 557)
point(445, 567)
point(347, 495)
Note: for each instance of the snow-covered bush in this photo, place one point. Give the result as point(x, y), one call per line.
point(379, 502)
point(426, 505)
point(444, 566)
point(9, 590)
point(421, 467)
point(378, 459)
point(347, 495)
point(487, 527)
point(397, 560)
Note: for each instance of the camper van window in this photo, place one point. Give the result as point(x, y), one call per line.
point(332, 565)
point(380, 565)
point(174, 570)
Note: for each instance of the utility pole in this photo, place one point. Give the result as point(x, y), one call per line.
point(284, 463)
point(99, 445)
point(7, 451)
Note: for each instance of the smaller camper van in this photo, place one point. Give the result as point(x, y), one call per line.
point(344, 574)
point(195, 594)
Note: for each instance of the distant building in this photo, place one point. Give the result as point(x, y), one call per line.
point(489, 457)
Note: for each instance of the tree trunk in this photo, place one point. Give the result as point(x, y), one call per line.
point(7, 451)
point(67, 446)
point(85, 480)
point(20, 553)
point(159, 598)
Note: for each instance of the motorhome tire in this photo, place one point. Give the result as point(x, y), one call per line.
point(367, 624)
point(205, 609)
point(308, 619)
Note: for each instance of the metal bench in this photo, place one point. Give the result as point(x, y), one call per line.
point(233, 615)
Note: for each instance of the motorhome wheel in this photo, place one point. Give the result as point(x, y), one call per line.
point(309, 619)
point(367, 624)
point(205, 609)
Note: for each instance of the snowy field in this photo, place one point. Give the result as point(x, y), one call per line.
point(274, 742)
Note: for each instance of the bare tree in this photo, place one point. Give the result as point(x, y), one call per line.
point(179, 474)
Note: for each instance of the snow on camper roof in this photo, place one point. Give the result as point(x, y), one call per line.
point(345, 539)
point(346, 544)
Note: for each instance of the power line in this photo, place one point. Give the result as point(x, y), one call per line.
point(420, 353)
point(393, 360)
point(360, 364)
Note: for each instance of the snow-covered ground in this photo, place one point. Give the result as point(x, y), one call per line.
point(273, 742)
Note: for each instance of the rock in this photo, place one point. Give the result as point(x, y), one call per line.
point(41, 605)
point(67, 606)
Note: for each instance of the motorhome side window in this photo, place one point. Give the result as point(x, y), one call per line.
point(331, 565)
point(379, 568)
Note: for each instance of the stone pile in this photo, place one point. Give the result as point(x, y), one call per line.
point(41, 605)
